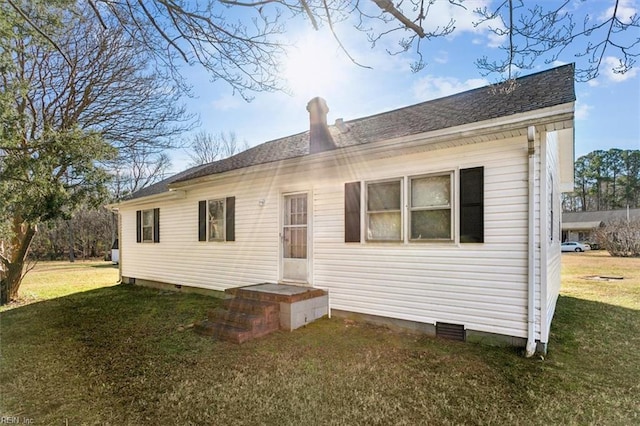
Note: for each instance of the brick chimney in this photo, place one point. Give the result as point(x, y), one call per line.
point(320, 139)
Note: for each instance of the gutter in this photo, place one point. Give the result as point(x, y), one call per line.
point(531, 273)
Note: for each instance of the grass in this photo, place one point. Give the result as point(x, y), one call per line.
point(120, 355)
point(49, 280)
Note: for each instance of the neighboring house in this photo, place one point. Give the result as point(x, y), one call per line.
point(441, 215)
point(580, 226)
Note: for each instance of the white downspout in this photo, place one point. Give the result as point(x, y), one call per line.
point(531, 273)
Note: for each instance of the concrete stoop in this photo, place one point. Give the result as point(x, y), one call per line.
point(257, 310)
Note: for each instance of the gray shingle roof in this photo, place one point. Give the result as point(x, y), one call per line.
point(544, 89)
point(163, 185)
point(605, 216)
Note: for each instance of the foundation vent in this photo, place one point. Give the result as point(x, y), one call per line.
point(450, 331)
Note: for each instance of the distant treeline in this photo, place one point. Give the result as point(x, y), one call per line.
point(605, 180)
point(88, 234)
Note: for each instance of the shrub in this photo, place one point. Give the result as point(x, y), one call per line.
point(620, 238)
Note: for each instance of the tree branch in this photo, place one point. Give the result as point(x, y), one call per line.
point(38, 30)
point(387, 6)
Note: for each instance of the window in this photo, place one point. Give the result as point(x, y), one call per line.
point(430, 208)
point(148, 226)
point(216, 219)
point(384, 211)
point(215, 224)
point(550, 201)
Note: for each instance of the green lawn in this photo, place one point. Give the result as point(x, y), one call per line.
point(120, 355)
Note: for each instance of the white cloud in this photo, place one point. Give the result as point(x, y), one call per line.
point(432, 87)
point(626, 10)
point(441, 12)
point(442, 57)
point(582, 110)
point(494, 40)
point(609, 64)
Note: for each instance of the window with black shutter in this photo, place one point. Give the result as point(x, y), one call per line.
point(148, 226)
point(216, 219)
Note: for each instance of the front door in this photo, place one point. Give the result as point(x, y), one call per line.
point(295, 264)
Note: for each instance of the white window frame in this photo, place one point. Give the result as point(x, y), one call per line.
point(222, 221)
point(453, 194)
point(400, 210)
point(143, 226)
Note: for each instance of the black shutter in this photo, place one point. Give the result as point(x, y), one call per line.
point(352, 212)
point(230, 218)
point(156, 225)
point(472, 205)
point(139, 226)
point(202, 221)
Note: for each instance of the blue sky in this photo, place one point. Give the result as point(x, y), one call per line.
point(607, 108)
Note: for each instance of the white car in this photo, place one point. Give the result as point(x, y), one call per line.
point(574, 246)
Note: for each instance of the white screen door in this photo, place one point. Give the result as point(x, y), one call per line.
point(295, 238)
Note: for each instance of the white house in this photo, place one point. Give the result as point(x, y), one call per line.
point(443, 215)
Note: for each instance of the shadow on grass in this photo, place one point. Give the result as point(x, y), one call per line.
point(118, 355)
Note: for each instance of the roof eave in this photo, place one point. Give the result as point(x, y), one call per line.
point(172, 194)
point(550, 118)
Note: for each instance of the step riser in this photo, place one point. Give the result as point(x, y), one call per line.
point(234, 319)
point(241, 319)
point(241, 305)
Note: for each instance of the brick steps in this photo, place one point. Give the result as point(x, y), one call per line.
point(255, 311)
point(240, 319)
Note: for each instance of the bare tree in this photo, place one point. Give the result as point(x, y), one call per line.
point(547, 32)
point(137, 169)
point(241, 42)
point(621, 238)
point(67, 112)
point(207, 148)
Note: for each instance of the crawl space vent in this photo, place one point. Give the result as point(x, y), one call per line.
point(450, 331)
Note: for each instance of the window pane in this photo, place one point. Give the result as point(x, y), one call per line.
point(147, 233)
point(216, 220)
point(295, 246)
point(147, 218)
point(431, 224)
point(431, 191)
point(296, 210)
point(384, 226)
point(383, 196)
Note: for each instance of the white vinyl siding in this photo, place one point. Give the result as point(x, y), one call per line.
point(550, 288)
point(483, 286)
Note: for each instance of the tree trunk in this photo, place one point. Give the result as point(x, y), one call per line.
point(72, 243)
point(14, 262)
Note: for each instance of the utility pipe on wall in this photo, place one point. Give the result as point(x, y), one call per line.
point(531, 273)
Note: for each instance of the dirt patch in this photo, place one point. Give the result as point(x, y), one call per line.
point(602, 278)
